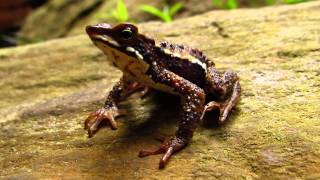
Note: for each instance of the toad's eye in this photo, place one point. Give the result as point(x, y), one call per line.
point(126, 34)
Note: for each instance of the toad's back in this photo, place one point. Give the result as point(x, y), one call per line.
point(184, 61)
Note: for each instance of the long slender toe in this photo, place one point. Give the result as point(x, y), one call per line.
point(210, 107)
point(145, 152)
point(94, 126)
point(231, 103)
point(165, 158)
point(169, 146)
point(113, 123)
point(92, 123)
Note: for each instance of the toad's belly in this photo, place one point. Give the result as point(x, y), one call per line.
point(136, 69)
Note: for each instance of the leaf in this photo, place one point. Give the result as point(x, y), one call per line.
point(175, 8)
point(294, 1)
point(154, 11)
point(270, 2)
point(217, 3)
point(166, 15)
point(114, 13)
point(231, 4)
point(122, 11)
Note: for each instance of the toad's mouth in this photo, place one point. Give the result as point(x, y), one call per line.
point(111, 43)
point(106, 39)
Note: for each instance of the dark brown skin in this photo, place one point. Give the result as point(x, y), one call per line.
point(180, 70)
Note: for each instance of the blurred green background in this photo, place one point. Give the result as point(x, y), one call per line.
point(29, 21)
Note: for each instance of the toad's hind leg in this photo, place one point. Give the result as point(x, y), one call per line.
point(227, 87)
point(192, 101)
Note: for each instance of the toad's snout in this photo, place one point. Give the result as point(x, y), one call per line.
point(98, 28)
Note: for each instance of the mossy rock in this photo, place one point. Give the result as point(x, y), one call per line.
point(48, 89)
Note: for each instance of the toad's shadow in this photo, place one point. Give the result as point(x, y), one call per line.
point(158, 113)
point(164, 113)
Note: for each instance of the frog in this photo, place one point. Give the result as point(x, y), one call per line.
point(149, 64)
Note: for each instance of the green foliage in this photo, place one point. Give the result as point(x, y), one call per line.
point(121, 12)
point(270, 2)
point(217, 3)
point(293, 1)
point(228, 4)
point(233, 4)
point(166, 14)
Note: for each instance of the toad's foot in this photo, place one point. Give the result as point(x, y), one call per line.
point(213, 106)
point(95, 118)
point(168, 147)
point(226, 107)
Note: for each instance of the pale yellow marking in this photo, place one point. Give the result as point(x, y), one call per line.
point(107, 39)
point(183, 55)
point(131, 49)
point(133, 67)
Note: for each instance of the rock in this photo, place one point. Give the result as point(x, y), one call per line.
point(48, 89)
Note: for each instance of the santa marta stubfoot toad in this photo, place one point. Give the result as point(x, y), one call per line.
point(172, 68)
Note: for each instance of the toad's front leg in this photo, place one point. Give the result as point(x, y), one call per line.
point(192, 100)
point(110, 111)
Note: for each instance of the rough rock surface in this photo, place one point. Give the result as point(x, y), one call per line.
point(48, 89)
